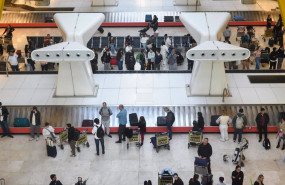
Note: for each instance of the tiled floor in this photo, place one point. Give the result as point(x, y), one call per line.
point(25, 163)
point(137, 89)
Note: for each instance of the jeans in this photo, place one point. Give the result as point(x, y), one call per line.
point(157, 67)
point(112, 48)
point(97, 145)
point(257, 63)
point(72, 146)
point(279, 140)
point(272, 65)
point(15, 68)
point(33, 127)
point(122, 132)
point(120, 65)
point(224, 132)
point(260, 128)
point(239, 132)
point(107, 126)
point(106, 66)
point(5, 128)
point(169, 129)
point(144, 46)
point(142, 66)
point(279, 65)
point(29, 67)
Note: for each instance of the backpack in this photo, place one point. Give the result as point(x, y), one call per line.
point(76, 134)
point(266, 144)
point(100, 132)
point(239, 122)
point(244, 38)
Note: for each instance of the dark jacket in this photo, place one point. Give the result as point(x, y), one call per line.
point(257, 183)
point(178, 182)
point(119, 55)
point(244, 120)
point(5, 113)
point(258, 119)
point(280, 53)
point(38, 118)
point(158, 58)
point(237, 175)
point(170, 118)
point(205, 150)
point(10, 48)
point(142, 58)
point(201, 122)
point(142, 127)
point(94, 63)
point(71, 134)
point(273, 55)
point(192, 182)
point(55, 183)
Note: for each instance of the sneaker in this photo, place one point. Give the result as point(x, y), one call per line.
point(259, 140)
point(118, 141)
point(10, 136)
point(278, 146)
point(72, 155)
point(31, 139)
point(110, 136)
point(141, 144)
point(103, 152)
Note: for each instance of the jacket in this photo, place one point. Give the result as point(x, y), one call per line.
point(178, 182)
point(205, 150)
point(258, 119)
point(201, 122)
point(142, 127)
point(244, 120)
point(237, 175)
point(37, 116)
point(71, 134)
point(170, 117)
point(5, 113)
point(142, 58)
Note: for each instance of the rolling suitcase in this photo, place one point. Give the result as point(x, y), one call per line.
point(51, 151)
point(113, 62)
point(100, 29)
point(214, 119)
point(21, 122)
point(201, 170)
point(133, 118)
point(168, 19)
point(87, 123)
point(271, 42)
point(148, 18)
point(161, 122)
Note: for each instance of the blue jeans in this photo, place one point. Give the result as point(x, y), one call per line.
point(112, 48)
point(239, 132)
point(279, 64)
point(33, 127)
point(5, 128)
point(120, 65)
point(97, 145)
point(15, 68)
point(169, 130)
point(144, 46)
point(257, 61)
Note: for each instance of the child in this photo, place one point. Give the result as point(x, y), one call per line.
point(142, 127)
point(221, 179)
point(281, 133)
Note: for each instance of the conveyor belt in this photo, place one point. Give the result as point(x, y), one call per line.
point(39, 17)
point(58, 116)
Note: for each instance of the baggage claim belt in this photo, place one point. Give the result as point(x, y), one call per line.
point(162, 140)
point(195, 138)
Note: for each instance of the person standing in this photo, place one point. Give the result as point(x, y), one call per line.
point(164, 52)
point(194, 180)
point(201, 122)
point(35, 122)
point(3, 121)
point(13, 60)
point(205, 152)
point(273, 56)
point(105, 113)
point(262, 119)
point(172, 60)
point(227, 33)
point(268, 21)
point(237, 176)
point(54, 180)
point(30, 62)
point(281, 134)
point(151, 57)
point(122, 115)
point(259, 180)
point(9, 31)
point(98, 138)
point(170, 118)
point(71, 138)
point(257, 59)
point(142, 127)
point(280, 57)
point(142, 59)
point(131, 63)
point(158, 60)
point(239, 123)
point(120, 58)
point(223, 122)
point(107, 59)
point(177, 180)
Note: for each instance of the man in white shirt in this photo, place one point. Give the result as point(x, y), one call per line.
point(150, 57)
point(13, 60)
point(48, 131)
point(3, 121)
point(168, 41)
point(98, 131)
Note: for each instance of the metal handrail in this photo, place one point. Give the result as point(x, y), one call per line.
point(225, 94)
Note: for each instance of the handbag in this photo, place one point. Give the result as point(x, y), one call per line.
point(53, 138)
point(201, 162)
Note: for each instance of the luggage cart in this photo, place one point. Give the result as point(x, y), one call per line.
point(82, 140)
point(63, 136)
point(165, 179)
point(201, 169)
point(195, 138)
point(134, 139)
point(161, 140)
point(240, 32)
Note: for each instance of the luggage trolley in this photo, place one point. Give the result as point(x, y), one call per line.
point(165, 177)
point(134, 139)
point(195, 138)
point(160, 140)
point(82, 140)
point(63, 136)
point(240, 32)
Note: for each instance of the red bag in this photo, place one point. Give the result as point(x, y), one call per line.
point(114, 62)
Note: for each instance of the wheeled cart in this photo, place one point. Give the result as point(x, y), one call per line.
point(82, 140)
point(134, 139)
point(165, 179)
point(63, 137)
point(195, 138)
point(160, 140)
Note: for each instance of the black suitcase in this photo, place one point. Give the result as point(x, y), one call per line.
point(271, 42)
point(51, 151)
point(168, 19)
point(148, 18)
point(133, 118)
point(87, 123)
point(214, 119)
point(207, 179)
point(161, 121)
point(100, 29)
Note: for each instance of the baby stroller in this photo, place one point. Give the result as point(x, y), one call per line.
point(238, 156)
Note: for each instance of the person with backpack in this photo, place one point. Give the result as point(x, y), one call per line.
point(239, 123)
point(73, 136)
point(262, 119)
point(237, 176)
point(223, 122)
point(259, 180)
point(105, 113)
point(98, 131)
point(170, 118)
point(122, 115)
point(142, 127)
